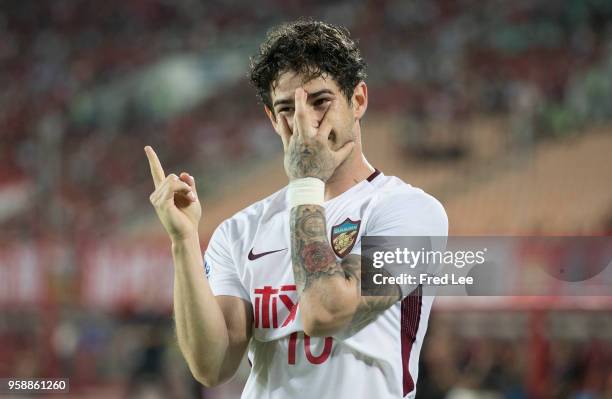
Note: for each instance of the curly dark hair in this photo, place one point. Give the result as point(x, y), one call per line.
point(311, 48)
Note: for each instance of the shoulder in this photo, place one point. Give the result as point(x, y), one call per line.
point(397, 193)
point(251, 216)
point(398, 202)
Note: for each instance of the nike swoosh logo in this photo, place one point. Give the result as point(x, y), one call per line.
point(253, 256)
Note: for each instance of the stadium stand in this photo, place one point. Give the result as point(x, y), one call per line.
point(501, 109)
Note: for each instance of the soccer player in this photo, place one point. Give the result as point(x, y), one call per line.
point(282, 276)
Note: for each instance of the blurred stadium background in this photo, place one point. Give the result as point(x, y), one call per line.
point(501, 109)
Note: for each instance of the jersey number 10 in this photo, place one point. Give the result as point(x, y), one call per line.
point(313, 359)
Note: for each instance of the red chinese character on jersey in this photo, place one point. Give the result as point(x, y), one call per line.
point(267, 307)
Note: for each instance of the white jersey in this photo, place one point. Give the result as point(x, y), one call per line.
point(249, 256)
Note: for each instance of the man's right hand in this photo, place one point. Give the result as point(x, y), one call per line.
point(175, 200)
point(308, 149)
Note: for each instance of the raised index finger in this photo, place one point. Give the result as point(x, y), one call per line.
point(156, 169)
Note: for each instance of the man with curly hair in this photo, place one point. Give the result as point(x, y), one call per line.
point(283, 275)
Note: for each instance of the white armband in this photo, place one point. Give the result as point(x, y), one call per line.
point(306, 191)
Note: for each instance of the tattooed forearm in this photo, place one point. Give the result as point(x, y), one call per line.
point(312, 256)
point(313, 259)
point(378, 300)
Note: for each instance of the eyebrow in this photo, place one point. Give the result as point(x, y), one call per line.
point(291, 100)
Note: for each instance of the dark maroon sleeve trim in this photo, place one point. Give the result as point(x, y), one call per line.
point(410, 320)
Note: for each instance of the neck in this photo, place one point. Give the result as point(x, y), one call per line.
point(354, 170)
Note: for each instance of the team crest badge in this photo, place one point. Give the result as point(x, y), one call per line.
point(344, 236)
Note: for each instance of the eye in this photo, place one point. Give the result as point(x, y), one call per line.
point(286, 110)
point(321, 101)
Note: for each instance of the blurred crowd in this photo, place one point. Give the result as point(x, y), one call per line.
point(468, 355)
point(513, 355)
point(132, 355)
point(67, 169)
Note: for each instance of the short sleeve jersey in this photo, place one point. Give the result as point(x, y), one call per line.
point(249, 256)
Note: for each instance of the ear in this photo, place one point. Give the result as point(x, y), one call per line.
point(360, 100)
